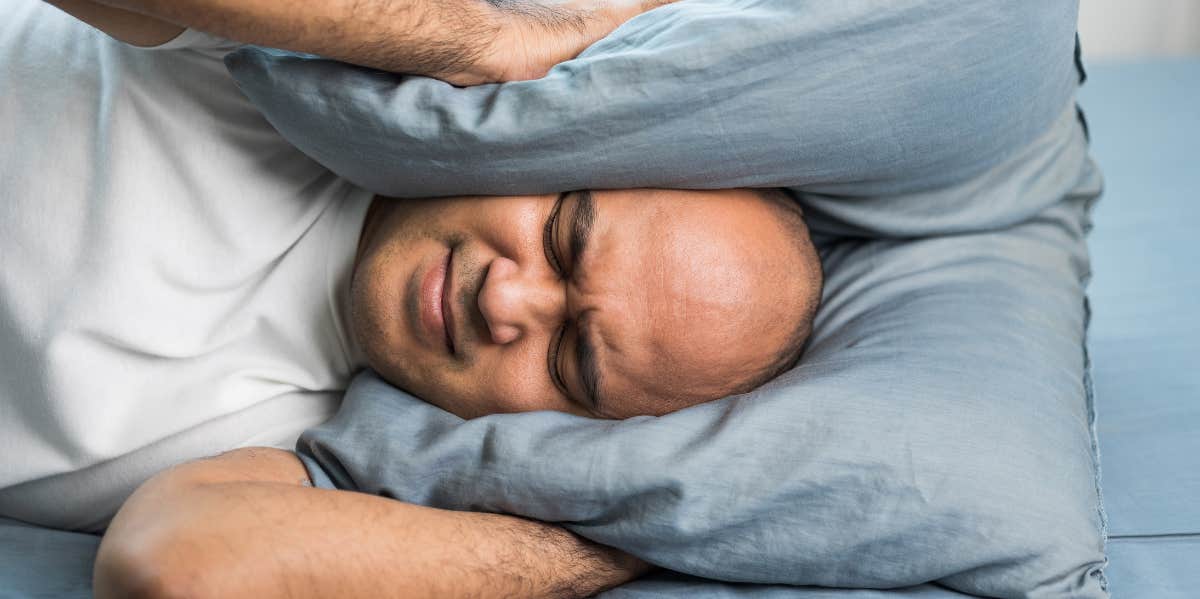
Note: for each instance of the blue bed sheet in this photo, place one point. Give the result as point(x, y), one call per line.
point(1144, 343)
point(1145, 333)
point(38, 562)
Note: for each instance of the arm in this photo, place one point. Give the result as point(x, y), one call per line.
point(246, 524)
point(461, 41)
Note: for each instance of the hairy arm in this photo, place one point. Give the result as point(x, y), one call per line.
point(461, 41)
point(245, 524)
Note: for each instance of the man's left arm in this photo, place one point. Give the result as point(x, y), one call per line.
point(246, 524)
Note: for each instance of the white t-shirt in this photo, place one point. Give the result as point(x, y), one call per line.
point(173, 274)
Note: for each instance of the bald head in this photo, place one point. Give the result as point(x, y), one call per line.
point(718, 297)
point(610, 303)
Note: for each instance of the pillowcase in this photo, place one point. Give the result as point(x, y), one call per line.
point(855, 101)
point(938, 428)
point(664, 583)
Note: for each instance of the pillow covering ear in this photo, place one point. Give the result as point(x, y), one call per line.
point(851, 100)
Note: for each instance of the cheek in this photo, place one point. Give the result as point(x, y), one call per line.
point(500, 381)
point(511, 227)
point(517, 381)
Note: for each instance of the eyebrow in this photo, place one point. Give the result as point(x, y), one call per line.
point(582, 219)
point(581, 224)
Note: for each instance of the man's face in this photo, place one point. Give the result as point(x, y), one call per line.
point(608, 303)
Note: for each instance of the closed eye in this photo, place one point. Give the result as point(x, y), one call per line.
point(550, 237)
point(550, 248)
point(553, 362)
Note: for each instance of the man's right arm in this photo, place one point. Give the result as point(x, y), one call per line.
point(464, 42)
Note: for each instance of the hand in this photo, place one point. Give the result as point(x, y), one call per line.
point(538, 34)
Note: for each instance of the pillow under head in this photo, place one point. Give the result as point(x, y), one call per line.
point(938, 429)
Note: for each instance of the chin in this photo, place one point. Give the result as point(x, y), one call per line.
point(371, 330)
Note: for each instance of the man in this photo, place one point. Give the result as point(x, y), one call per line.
point(178, 281)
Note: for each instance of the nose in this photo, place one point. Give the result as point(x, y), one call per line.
point(514, 302)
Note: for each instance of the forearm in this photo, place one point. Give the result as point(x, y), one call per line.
point(206, 534)
point(399, 35)
point(461, 41)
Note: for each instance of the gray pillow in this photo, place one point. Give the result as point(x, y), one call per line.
point(857, 101)
point(938, 429)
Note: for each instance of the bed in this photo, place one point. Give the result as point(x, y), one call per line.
point(1144, 344)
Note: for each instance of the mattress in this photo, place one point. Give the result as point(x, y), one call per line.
point(1145, 333)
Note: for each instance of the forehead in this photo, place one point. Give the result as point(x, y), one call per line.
point(673, 288)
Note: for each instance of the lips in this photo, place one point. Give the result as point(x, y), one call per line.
point(434, 299)
point(448, 304)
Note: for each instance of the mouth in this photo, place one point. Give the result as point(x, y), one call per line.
point(448, 303)
point(435, 304)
